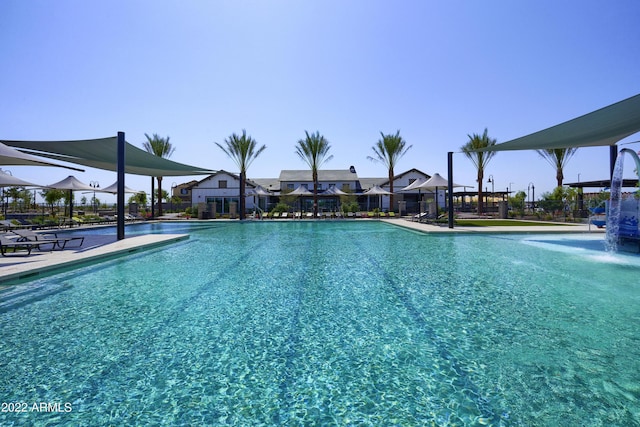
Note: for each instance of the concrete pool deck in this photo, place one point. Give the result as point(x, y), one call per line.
point(98, 247)
point(95, 247)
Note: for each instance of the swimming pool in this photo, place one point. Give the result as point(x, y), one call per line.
point(330, 323)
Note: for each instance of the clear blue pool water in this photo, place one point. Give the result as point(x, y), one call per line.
point(330, 323)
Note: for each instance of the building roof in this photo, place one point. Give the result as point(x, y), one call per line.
point(323, 175)
point(400, 175)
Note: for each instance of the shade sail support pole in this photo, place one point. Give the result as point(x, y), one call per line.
point(120, 198)
point(450, 186)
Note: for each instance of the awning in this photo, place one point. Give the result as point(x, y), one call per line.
point(605, 126)
point(103, 154)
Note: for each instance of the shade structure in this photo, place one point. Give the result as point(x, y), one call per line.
point(113, 189)
point(414, 185)
point(376, 190)
point(605, 126)
point(333, 191)
point(7, 180)
point(71, 183)
point(435, 182)
point(102, 153)
point(300, 191)
point(11, 156)
point(258, 191)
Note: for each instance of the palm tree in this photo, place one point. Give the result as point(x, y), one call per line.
point(558, 158)
point(479, 158)
point(160, 147)
point(242, 149)
point(314, 150)
point(388, 151)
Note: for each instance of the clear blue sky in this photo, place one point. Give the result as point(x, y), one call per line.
point(198, 71)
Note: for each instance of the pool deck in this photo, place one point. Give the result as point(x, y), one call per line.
point(97, 247)
point(544, 227)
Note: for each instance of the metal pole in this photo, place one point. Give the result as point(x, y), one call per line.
point(450, 184)
point(120, 198)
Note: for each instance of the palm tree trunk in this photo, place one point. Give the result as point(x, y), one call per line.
point(159, 196)
point(391, 174)
point(315, 194)
point(559, 177)
point(480, 181)
point(242, 198)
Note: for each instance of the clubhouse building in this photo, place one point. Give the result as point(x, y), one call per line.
point(219, 192)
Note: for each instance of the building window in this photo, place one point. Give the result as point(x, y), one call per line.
point(345, 187)
point(411, 180)
point(222, 184)
point(290, 187)
point(319, 187)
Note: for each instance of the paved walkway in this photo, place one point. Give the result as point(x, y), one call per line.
point(94, 247)
point(97, 247)
point(544, 227)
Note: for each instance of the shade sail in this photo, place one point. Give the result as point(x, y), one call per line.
point(11, 156)
point(605, 126)
point(103, 154)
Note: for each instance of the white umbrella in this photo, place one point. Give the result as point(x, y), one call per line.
point(333, 191)
point(71, 183)
point(415, 185)
point(376, 190)
point(258, 191)
point(300, 191)
point(113, 189)
point(435, 182)
point(8, 180)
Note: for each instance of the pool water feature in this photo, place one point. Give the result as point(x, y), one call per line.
point(331, 323)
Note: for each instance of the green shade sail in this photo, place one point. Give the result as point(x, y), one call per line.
point(605, 126)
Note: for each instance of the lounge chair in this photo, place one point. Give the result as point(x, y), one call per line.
point(284, 215)
point(47, 238)
point(6, 244)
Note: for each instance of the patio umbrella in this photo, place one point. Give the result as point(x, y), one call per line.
point(71, 183)
point(300, 191)
point(334, 191)
point(435, 182)
point(8, 180)
point(258, 191)
point(113, 189)
point(415, 185)
point(376, 190)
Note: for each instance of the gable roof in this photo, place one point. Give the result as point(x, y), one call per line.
point(323, 175)
point(401, 175)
